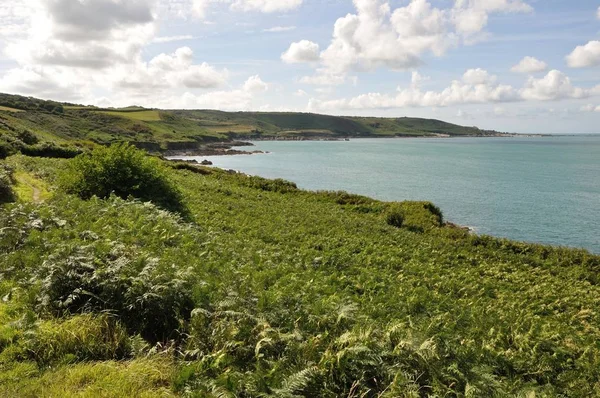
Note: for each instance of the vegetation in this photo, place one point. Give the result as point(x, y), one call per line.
point(49, 129)
point(124, 171)
point(7, 194)
point(268, 290)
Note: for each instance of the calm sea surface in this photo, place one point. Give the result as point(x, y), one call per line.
point(532, 189)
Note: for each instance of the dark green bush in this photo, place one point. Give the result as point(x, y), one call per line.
point(47, 150)
point(124, 171)
point(6, 181)
point(395, 218)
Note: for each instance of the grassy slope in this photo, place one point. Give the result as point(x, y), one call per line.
point(71, 125)
point(303, 293)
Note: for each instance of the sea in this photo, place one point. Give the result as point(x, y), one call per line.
point(534, 189)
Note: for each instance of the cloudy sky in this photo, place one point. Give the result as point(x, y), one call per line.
point(510, 65)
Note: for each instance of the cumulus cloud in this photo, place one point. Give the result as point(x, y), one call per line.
point(529, 65)
point(254, 84)
point(93, 34)
point(478, 77)
point(585, 56)
point(554, 86)
point(377, 36)
point(170, 71)
point(302, 51)
point(477, 86)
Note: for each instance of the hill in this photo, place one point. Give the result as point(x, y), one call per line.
point(36, 126)
point(259, 289)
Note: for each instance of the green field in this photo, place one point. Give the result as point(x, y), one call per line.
point(259, 289)
point(146, 116)
point(7, 109)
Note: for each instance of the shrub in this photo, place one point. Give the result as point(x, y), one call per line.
point(278, 185)
point(395, 218)
point(125, 171)
point(48, 150)
point(6, 181)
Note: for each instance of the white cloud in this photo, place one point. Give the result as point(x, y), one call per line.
point(277, 29)
point(170, 71)
point(471, 16)
point(478, 76)
point(377, 36)
point(266, 6)
point(200, 8)
point(48, 83)
point(529, 65)
point(554, 86)
point(300, 93)
point(169, 39)
point(254, 84)
point(323, 79)
point(93, 34)
point(598, 13)
point(477, 86)
point(585, 56)
point(417, 79)
point(302, 51)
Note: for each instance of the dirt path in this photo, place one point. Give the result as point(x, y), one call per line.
point(36, 194)
point(32, 189)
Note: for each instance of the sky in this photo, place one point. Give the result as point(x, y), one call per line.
point(526, 66)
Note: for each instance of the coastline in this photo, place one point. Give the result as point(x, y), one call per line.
point(225, 148)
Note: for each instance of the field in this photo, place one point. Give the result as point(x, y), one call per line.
point(146, 116)
point(7, 109)
point(261, 289)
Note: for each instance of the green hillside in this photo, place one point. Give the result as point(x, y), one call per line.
point(239, 286)
point(36, 126)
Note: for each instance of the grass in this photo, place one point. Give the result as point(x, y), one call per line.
point(144, 378)
point(29, 188)
point(8, 109)
point(294, 293)
point(146, 115)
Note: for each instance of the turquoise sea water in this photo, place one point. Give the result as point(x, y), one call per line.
point(533, 189)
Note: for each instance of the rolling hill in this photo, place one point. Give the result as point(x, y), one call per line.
point(33, 126)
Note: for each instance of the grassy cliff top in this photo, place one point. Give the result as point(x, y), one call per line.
point(26, 121)
point(267, 290)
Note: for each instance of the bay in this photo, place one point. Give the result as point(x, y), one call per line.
point(536, 189)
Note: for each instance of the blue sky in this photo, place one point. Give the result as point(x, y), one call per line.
point(511, 65)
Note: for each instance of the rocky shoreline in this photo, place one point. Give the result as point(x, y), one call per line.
point(227, 148)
